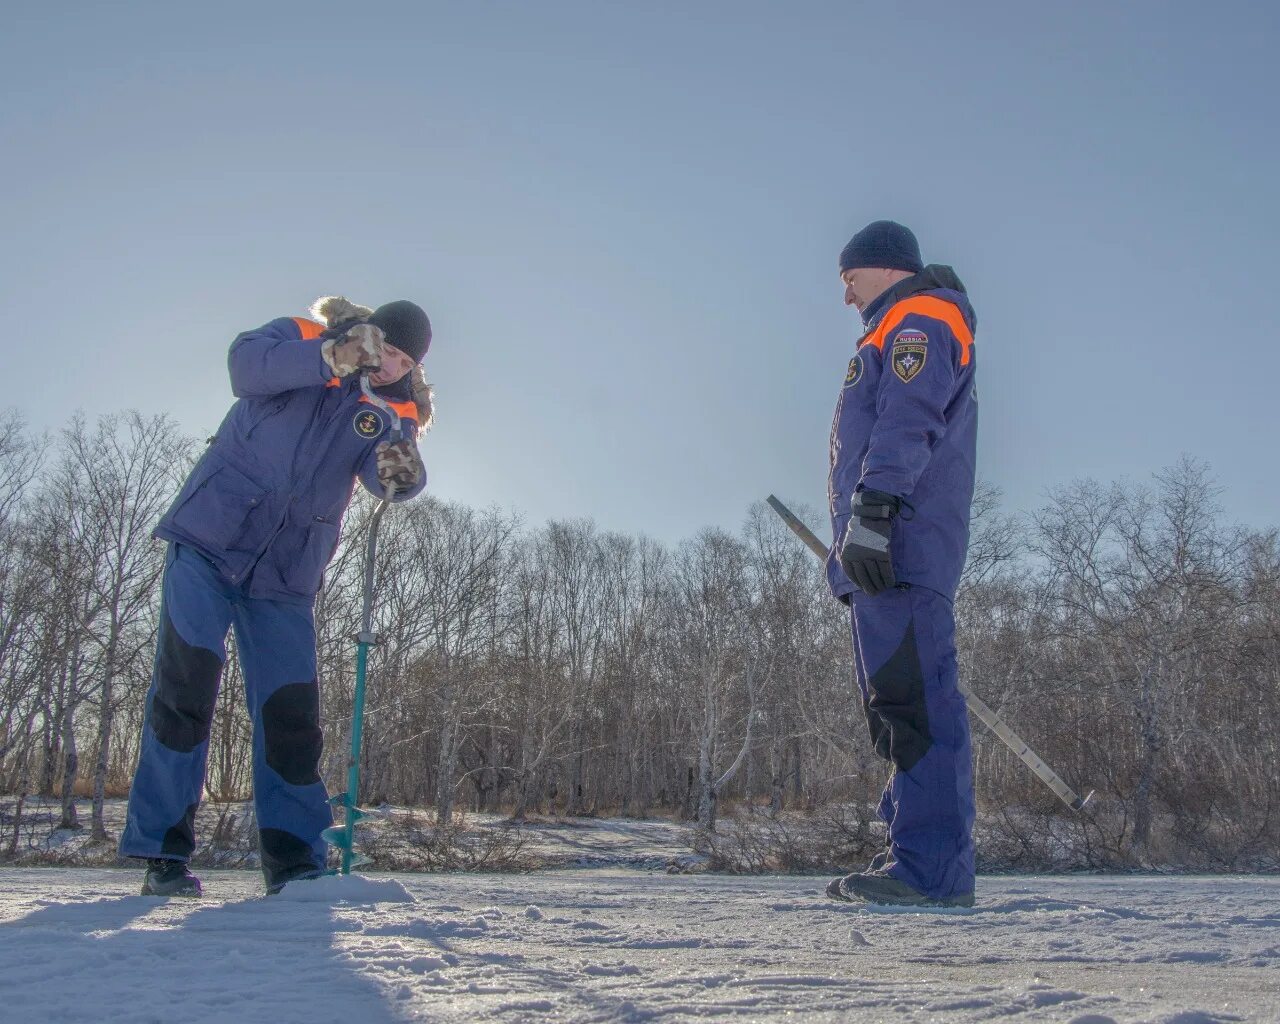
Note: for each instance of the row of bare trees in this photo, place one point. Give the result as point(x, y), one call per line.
point(1130, 633)
point(78, 579)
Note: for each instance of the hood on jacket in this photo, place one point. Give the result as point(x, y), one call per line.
point(333, 310)
point(931, 278)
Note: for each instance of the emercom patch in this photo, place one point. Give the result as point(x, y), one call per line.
point(855, 372)
point(367, 423)
point(910, 349)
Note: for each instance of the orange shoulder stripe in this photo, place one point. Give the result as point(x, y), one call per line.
point(930, 306)
point(405, 410)
point(309, 328)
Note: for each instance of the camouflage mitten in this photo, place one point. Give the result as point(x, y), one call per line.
point(399, 464)
point(355, 350)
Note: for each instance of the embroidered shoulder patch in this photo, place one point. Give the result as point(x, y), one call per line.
point(367, 423)
point(855, 372)
point(910, 350)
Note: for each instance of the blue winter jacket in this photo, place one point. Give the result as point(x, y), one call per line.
point(265, 502)
point(906, 423)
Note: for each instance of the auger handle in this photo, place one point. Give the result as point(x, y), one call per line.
point(985, 714)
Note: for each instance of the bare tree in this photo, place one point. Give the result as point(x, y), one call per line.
point(111, 484)
point(536, 676)
point(710, 647)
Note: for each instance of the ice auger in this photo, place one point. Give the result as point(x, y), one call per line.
point(344, 836)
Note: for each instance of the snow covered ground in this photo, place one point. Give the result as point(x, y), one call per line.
point(545, 842)
point(626, 945)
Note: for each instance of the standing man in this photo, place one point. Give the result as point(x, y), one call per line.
point(250, 535)
point(903, 449)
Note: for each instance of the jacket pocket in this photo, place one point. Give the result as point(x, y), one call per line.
point(303, 571)
point(217, 510)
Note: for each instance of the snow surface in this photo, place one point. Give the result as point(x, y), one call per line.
point(624, 945)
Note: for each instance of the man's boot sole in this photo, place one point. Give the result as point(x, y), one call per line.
point(837, 891)
point(275, 888)
point(185, 891)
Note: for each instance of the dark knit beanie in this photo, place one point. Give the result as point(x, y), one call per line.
point(885, 244)
point(406, 327)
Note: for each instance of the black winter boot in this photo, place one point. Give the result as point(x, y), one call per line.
point(170, 878)
point(298, 874)
point(885, 890)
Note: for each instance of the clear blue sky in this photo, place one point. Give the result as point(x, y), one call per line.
point(624, 221)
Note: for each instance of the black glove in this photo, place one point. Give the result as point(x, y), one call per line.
point(865, 552)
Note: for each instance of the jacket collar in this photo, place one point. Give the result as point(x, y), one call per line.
point(933, 277)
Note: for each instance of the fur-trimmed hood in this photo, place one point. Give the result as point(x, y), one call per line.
point(332, 310)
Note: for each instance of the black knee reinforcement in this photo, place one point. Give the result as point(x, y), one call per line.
point(186, 689)
point(180, 838)
point(291, 733)
point(896, 712)
point(878, 728)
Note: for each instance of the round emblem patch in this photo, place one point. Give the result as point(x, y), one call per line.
point(855, 372)
point(367, 423)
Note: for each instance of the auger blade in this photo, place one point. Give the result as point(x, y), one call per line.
point(336, 836)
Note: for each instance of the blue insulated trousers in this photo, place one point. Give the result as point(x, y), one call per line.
point(277, 646)
point(904, 655)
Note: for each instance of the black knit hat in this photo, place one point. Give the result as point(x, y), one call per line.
point(883, 243)
point(406, 327)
